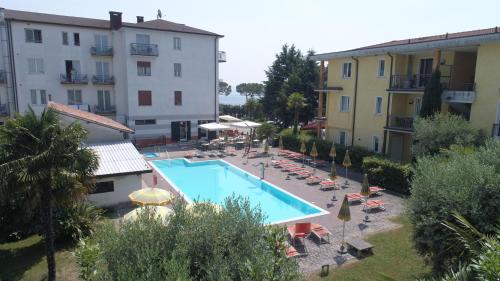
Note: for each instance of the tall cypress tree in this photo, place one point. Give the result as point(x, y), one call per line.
point(431, 102)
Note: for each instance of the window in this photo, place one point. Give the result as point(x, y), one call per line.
point(344, 104)
point(35, 65)
point(43, 97)
point(418, 106)
point(381, 68)
point(144, 68)
point(178, 97)
point(102, 69)
point(76, 39)
point(142, 38)
point(342, 138)
point(177, 43)
point(103, 187)
point(146, 122)
point(103, 100)
point(378, 105)
point(346, 70)
point(376, 144)
point(33, 96)
point(101, 41)
point(177, 70)
point(33, 35)
point(145, 98)
point(74, 97)
point(65, 38)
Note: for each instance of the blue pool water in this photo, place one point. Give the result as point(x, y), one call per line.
point(215, 180)
point(151, 155)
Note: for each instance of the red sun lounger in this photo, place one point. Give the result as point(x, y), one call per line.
point(320, 232)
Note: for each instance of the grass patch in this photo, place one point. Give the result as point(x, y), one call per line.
point(25, 260)
point(394, 256)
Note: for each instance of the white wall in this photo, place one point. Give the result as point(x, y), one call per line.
point(123, 186)
point(96, 133)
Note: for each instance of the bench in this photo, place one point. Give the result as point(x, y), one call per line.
point(360, 247)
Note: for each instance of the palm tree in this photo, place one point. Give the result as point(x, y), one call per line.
point(296, 102)
point(47, 163)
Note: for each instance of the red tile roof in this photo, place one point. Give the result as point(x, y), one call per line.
point(157, 24)
point(89, 117)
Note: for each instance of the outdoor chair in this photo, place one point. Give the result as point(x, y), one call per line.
point(320, 232)
point(299, 231)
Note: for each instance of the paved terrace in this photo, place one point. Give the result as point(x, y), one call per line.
point(317, 255)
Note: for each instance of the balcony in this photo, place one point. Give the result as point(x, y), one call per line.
point(101, 51)
point(105, 110)
point(82, 107)
point(3, 77)
point(140, 49)
point(400, 124)
point(103, 80)
point(495, 132)
point(412, 82)
point(4, 110)
point(74, 79)
point(221, 56)
point(464, 93)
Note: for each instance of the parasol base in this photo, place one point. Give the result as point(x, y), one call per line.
point(366, 219)
point(334, 198)
point(342, 249)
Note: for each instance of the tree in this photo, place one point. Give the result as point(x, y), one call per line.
point(460, 179)
point(250, 90)
point(296, 102)
point(431, 101)
point(253, 109)
point(47, 164)
point(438, 132)
point(224, 88)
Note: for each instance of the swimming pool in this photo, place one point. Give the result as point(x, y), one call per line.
point(215, 180)
point(151, 154)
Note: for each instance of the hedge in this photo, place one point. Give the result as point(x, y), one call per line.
point(356, 154)
point(388, 174)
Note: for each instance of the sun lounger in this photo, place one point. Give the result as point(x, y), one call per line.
point(188, 154)
point(328, 185)
point(299, 231)
point(320, 232)
point(313, 180)
point(212, 153)
point(319, 163)
point(287, 168)
point(354, 197)
point(373, 204)
point(231, 151)
point(294, 171)
point(199, 154)
point(277, 163)
point(375, 190)
point(291, 252)
point(304, 174)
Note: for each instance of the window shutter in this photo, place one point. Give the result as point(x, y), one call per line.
point(188, 125)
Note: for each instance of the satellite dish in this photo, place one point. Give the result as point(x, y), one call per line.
point(158, 16)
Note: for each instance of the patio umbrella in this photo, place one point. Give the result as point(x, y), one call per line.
point(303, 150)
point(314, 152)
point(365, 191)
point(159, 211)
point(151, 196)
point(346, 163)
point(280, 144)
point(333, 176)
point(344, 215)
point(333, 153)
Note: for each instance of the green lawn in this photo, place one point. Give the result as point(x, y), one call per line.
point(394, 256)
point(25, 260)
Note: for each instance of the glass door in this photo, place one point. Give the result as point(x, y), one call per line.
point(425, 71)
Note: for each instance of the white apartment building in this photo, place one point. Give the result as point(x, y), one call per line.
point(157, 77)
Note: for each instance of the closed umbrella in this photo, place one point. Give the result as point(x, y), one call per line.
point(344, 215)
point(303, 150)
point(333, 176)
point(151, 196)
point(365, 191)
point(280, 144)
point(158, 211)
point(314, 152)
point(346, 163)
point(333, 153)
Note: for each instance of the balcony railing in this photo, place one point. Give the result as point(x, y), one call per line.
point(143, 49)
point(74, 79)
point(3, 77)
point(110, 109)
point(221, 56)
point(452, 96)
point(101, 51)
point(400, 123)
point(4, 110)
point(496, 131)
point(103, 80)
point(410, 82)
point(82, 107)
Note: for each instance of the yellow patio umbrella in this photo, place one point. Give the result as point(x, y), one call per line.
point(346, 163)
point(280, 144)
point(365, 191)
point(333, 153)
point(303, 150)
point(151, 196)
point(344, 215)
point(158, 211)
point(314, 152)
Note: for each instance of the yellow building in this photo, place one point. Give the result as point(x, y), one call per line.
point(373, 93)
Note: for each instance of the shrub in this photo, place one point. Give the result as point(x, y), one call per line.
point(76, 220)
point(199, 244)
point(439, 132)
point(388, 174)
point(460, 180)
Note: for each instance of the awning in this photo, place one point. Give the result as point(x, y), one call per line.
point(229, 118)
point(245, 124)
point(214, 126)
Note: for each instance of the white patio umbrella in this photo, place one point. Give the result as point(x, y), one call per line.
point(229, 118)
point(245, 124)
point(214, 126)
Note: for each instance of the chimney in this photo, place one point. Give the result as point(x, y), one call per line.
point(115, 20)
point(140, 19)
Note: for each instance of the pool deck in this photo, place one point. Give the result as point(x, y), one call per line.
point(317, 255)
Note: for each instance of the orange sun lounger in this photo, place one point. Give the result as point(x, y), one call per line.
point(374, 204)
point(320, 232)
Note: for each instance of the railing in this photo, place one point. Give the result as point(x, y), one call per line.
point(452, 96)
point(82, 107)
point(3, 77)
point(103, 80)
point(221, 56)
point(74, 79)
point(110, 109)
point(323, 112)
point(400, 123)
point(410, 82)
point(143, 49)
point(101, 51)
point(495, 132)
point(4, 110)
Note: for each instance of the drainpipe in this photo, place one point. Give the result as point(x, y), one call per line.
point(384, 141)
point(355, 98)
point(216, 79)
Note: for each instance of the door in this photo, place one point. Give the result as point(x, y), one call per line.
point(102, 69)
point(175, 131)
point(425, 71)
point(101, 42)
point(396, 151)
point(183, 130)
point(104, 100)
point(69, 68)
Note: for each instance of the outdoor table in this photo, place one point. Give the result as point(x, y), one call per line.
point(359, 246)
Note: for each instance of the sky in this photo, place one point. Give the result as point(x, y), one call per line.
point(254, 31)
